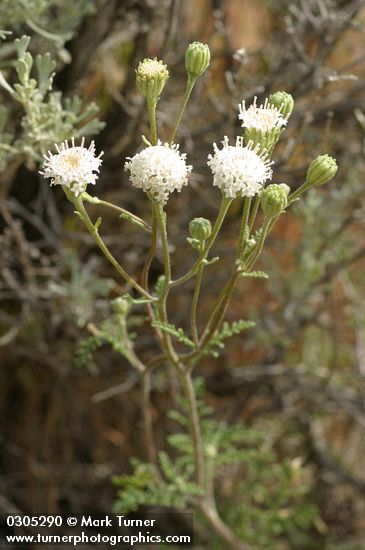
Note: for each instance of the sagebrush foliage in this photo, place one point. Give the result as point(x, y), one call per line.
point(27, 79)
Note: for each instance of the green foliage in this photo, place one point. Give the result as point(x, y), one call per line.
point(275, 504)
point(45, 119)
point(86, 350)
point(178, 333)
point(159, 285)
point(228, 329)
point(82, 290)
point(52, 21)
point(112, 331)
point(142, 488)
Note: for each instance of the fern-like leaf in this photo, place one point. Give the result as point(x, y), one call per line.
point(87, 349)
point(228, 330)
point(178, 333)
point(254, 274)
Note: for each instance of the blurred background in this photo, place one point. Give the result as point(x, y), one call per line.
point(71, 421)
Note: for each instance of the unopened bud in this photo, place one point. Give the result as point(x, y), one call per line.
point(282, 101)
point(151, 77)
point(274, 200)
point(122, 305)
point(197, 59)
point(321, 170)
point(200, 229)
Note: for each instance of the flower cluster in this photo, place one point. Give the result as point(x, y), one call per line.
point(159, 170)
point(73, 167)
point(239, 171)
point(264, 118)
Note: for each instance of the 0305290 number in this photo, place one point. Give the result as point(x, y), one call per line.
point(33, 521)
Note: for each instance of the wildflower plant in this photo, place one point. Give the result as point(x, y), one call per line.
point(242, 172)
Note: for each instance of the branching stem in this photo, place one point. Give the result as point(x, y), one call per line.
point(93, 230)
point(136, 220)
point(225, 204)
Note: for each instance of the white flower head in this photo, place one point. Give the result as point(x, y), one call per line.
point(264, 118)
point(239, 171)
point(73, 167)
point(159, 170)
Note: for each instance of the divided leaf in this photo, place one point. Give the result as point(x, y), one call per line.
point(178, 333)
point(228, 330)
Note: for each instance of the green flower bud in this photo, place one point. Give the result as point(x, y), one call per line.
point(284, 102)
point(122, 305)
point(151, 77)
point(274, 200)
point(321, 170)
point(197, 59)
point(200, 229)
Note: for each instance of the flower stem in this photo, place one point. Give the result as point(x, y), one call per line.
point(147, 417)
point(255, 208)
point(151, 252)
point(194, 304)
point(125, 214)
point(294, 196)
point(165, 339)
point(189, 88)
point(225, 204)
point(258, 248)
point(243, 228)
point(147, 266)
point(217, 315)
point(93, 230)
point(222, 530)
point(219, 310)
point(195, 427)
point(161, 223)
point(151, 105)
